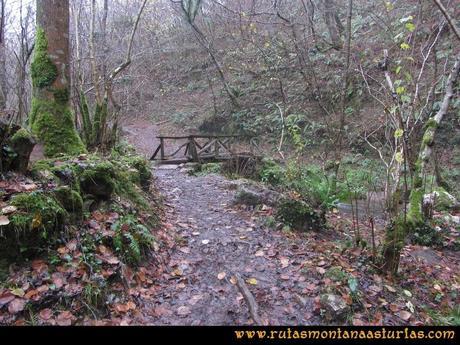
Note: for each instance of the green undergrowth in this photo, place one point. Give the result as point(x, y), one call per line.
point(69, 190)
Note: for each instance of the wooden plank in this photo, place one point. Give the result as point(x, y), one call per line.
point(156, 152)
point(162, 145)
point(207, 146)
point(203, 136)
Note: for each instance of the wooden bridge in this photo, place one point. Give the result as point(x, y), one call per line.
point(196, 148)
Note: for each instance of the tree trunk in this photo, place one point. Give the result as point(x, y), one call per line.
point(331, 19)
point(402, 225)
point(51, 118)
point(3, 88)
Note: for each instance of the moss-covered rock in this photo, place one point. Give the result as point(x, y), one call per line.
point(298, 215)
point(33, 226)
point(144, 170)
point(22, 143)
point(98, 180)
point(71, 201)
point(442, 200)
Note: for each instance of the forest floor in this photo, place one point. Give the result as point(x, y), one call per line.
point(204, 241)
point(286, 272)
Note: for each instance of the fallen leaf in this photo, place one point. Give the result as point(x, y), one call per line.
point(4, 220)
point(405, 315)
point(16, 306)
point(252, 281)
point(195, 299)
point(9, 210)
point(407, 293)
point(233, 280)
point(131, 305)
point(259, 253)
point(185, 250)
point(320, 270)
point(284, 262)
point(390, 288)
point(30, 294)
point(410, 306)
point(5, 299)
point(183, 311)
point(221, 275)
point(18, 292)
point(46, 314)
point(64, 318)
point(121, 308)
point(37, 221)
point(29, 187)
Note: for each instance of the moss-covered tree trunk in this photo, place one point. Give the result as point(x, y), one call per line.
point(51, 119)
point(405, 223)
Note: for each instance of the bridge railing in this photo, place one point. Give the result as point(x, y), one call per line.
point(196, 148)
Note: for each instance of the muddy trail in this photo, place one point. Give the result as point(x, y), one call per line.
point(215, 241)
point(285, 272)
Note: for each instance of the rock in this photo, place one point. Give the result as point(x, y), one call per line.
point(22, 143)
point(455, 220)
point(299, 215)
point(167, 167)
point(44, 175)
point(441, 200)
point(70, 200)
point(252, 195)
point(335, 307)
point(98, 180)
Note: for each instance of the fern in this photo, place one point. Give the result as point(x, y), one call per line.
point(144, 235)
point(134, 249)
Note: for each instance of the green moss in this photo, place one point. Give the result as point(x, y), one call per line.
point(53, 124)
point(298, 215)
point(414, 215)
point(61, 95)
point(143, 167)
point(428, 138)
point(98, 180)
point(70, 200)
point(38, 203)
point(431, 123)
point(100, 118)
point(125, 187)
point(44, 71)
point(444, 201)
point(33, 226)
point(87, 125)
point(20, 135)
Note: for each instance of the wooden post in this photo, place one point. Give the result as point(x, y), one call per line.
point(192, 149)
point(162, 149)
point(216, 148)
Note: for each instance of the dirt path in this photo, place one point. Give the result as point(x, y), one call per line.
point(216, 239)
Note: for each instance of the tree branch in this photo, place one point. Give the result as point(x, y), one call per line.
point(448, 17)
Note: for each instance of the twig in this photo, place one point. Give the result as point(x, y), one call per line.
point(249, 298)
point(448, 17)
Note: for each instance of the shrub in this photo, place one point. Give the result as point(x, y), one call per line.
point(298, 215)
point(132, 239)
point(271, 172)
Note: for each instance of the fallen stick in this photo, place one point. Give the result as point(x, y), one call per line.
point(250, 300)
